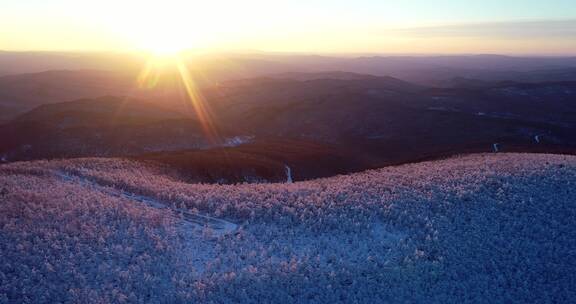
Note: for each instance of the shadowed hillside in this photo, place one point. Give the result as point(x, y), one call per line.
point(317, 127)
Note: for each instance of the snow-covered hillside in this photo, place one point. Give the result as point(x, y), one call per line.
point(482, 228)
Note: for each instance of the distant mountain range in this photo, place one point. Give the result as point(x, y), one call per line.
point(31, 79)
point(318, 123)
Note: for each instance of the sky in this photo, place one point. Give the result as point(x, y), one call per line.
point(546, 27)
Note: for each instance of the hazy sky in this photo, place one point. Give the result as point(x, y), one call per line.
point(359, 26)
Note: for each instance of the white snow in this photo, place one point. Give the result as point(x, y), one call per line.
point(238, 140)
point(288, 174)
point(478, 228)
point(190, 220)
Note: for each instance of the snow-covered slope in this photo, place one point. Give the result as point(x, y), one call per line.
point(480, 228)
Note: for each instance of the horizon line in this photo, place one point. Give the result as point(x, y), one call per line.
point(296, 53)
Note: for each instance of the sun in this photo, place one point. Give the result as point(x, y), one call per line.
point(166, 40)
point(161, 29)
point(164, 47)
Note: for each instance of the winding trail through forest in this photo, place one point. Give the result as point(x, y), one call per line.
point(196, 221)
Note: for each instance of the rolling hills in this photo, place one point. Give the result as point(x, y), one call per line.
point(347, 122)
point(479, 228)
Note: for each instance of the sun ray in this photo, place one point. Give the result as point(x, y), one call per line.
point(148, 78)
point(171, 73)
point(198, 102)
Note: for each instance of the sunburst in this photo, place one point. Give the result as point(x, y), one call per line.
point(160, 68)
